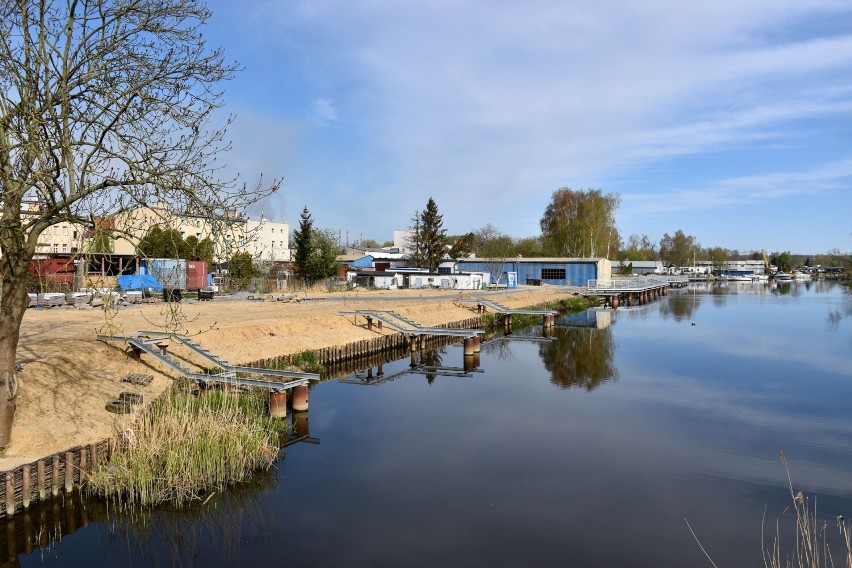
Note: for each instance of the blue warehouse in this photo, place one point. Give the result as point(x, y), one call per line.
point(554, 271)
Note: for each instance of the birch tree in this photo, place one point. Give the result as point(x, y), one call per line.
point(105, 106)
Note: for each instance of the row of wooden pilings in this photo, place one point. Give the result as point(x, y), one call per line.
point(49, 476)
point(640, 297)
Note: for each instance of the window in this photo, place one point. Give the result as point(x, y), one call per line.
point(75, 234)
point(55, 248)
point(64, 248)
point(553, 274)
point(445, 270)
point(64, 230)
point(56, 230)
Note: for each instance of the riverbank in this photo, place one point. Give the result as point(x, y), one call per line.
point(68, 375)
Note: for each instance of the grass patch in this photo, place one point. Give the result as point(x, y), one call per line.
point(184, 446)
point(307, 361)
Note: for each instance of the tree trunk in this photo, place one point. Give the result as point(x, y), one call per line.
point(13, 303)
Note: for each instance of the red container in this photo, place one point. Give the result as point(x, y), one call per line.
point(196, 274)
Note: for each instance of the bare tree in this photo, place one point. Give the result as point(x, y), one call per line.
point(105, 107)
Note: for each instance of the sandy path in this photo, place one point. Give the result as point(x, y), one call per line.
point(69, 375)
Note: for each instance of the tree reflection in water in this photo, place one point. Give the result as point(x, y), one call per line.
point(580, 357)
point(680, 307)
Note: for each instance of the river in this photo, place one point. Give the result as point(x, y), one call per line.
point(591, 448)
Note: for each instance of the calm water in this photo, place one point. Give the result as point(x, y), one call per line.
point(588, 450)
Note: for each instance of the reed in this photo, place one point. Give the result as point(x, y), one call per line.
point(184, 446)
point(812, 547)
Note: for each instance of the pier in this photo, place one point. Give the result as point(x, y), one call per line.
point(635, 290)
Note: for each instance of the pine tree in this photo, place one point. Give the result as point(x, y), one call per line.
point(304, 244)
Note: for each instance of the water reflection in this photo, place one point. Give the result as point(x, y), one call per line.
point(681, 307)
point(580, 357)
point(149, 536)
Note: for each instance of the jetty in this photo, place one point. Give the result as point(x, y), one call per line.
point(630, 290)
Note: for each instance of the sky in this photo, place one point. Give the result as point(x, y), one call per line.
point(729, 120)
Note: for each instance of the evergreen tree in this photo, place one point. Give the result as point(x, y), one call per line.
point(432, 236)
point(303, 237)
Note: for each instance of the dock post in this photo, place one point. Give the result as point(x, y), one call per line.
point(477, 344)
point(615, 301)
point(300, 398)
point(422, 341)
point(369, 323)
point(468, 347)
point(468, 363)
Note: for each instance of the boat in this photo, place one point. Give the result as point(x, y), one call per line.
point(783, 277)
point(801, 276)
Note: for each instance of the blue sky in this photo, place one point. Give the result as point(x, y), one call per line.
point(730, 120)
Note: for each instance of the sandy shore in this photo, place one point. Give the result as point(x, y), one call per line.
point(68, 375)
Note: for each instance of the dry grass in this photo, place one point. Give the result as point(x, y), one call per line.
point(185, 446)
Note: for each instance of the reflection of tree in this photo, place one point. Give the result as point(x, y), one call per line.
point(681, 307)
point(498, 348)
point(432, 358)
point(580, 357)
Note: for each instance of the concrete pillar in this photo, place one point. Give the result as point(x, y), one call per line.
point(300, 398)
point(278, 404)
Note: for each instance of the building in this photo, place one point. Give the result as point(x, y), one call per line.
point(639, 266)
point(555, 271)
